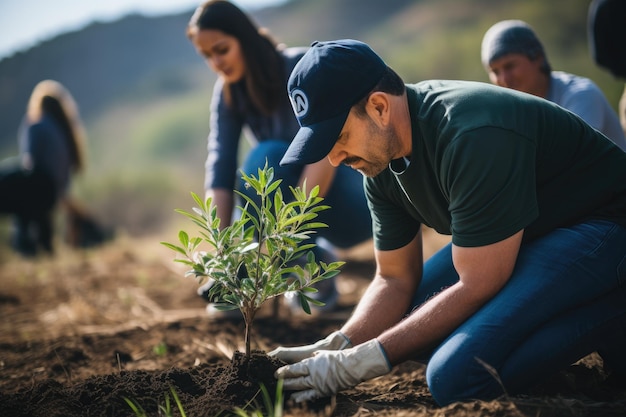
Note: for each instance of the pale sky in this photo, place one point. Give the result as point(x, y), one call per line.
point(24, 23)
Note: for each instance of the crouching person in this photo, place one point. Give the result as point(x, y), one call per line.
point(533, 197)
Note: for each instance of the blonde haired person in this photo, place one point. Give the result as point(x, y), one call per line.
point(51, 143)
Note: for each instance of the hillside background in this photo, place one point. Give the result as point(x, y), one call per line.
point(144, 93)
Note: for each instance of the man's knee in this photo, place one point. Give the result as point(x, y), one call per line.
point(461, 378)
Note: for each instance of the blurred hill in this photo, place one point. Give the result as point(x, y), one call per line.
point(144, 93)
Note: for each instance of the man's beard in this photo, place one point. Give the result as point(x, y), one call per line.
point(385, 143)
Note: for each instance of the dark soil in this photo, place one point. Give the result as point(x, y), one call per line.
point(85, 330)
point(205, 390)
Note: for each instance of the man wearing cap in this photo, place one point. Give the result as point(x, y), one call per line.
point(535, 202)
point(514, 58)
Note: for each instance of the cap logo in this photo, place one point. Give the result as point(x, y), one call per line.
point(300, 102)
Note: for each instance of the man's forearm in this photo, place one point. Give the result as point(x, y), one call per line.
point(383, 305)
point(429, 325)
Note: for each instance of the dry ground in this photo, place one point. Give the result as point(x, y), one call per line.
point(77, 327)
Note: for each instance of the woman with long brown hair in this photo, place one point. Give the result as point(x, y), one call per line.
point(251, 92)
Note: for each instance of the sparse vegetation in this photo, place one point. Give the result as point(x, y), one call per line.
point(165, 409)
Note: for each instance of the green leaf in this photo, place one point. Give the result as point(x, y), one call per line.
point(304, 302)
point(184, 238)
point(201, 203)
point(225, 306)
point(249, 247)
point(273, 186)
point(175, 248)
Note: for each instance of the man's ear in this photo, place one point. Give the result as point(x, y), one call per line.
point(378, 108)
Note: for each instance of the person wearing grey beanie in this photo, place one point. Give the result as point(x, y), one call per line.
point(513, 36)
point(514, 57)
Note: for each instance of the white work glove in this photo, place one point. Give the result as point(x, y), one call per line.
point(328, 372)
point(334, 341)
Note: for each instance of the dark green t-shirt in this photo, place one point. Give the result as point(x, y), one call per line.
point(487, 162)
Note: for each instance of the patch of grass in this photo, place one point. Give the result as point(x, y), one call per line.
point(166, 409)
point(274, 408)
point(160, 349)
point(271, 407)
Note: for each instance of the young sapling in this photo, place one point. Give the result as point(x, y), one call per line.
point(254, 258)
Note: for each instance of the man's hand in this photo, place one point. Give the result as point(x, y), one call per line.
point(328, 372)
point(334, 341)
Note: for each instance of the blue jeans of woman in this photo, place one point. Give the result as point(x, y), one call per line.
point(348, 219)
point(565, 299)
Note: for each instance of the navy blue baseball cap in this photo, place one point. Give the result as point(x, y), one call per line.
point(328, 80)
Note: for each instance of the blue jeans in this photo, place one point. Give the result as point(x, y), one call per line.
point(348, 219)
point(565, 299)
